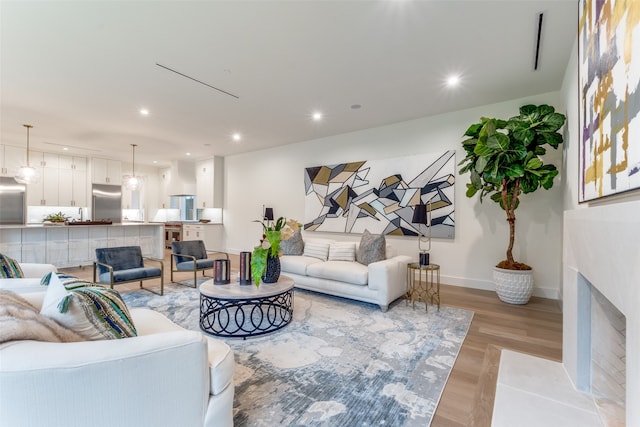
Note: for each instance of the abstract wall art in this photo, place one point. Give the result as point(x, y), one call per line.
point(380, 195)
point(609, 79)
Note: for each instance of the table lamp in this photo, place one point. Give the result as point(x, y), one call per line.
point(422, 215)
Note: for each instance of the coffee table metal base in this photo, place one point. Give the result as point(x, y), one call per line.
point(245, 317)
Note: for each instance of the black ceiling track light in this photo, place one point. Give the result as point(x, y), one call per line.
point(540, 16)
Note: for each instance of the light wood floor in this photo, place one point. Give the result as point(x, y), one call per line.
point(467, 400)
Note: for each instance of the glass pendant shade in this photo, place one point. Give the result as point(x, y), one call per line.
point(27, 174)
point(133, 182)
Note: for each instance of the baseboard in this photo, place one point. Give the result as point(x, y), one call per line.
point(487, 285)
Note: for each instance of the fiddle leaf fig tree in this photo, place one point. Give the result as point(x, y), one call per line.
point(503, 160)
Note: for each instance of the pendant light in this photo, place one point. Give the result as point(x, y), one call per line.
point(132, 182)
point(27, 174)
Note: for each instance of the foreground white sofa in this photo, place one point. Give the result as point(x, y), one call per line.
point(165, 377)
point(33, 272)
point(380, 283)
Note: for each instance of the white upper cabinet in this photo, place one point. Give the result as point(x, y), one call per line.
point(45, 191)
point(209, 185)
point(72, 176)
point(165, 187)
point(11, 158)
point(106, 171)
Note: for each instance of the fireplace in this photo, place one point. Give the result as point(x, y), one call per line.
point(601, 305)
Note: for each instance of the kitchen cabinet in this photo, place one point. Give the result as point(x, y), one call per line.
point(165, 187)
point(106, 171)
point(11, 158)
point(75, 245)
point(210, 234)
point(11, 242)
point(72, 177)
point(192, 232)
point(209, 185)
point(45, 191)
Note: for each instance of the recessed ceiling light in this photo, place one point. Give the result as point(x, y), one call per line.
point(144, 112)
point(453, 80)
point(236, 136)
point(155, 161)
point(65, 148)
point(188, 154)
point(317, 116)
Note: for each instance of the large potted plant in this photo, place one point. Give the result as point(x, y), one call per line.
point(504, 161)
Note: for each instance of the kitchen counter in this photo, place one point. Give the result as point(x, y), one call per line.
point(75, 245)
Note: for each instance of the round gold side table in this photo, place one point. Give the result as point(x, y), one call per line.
point(426, 286)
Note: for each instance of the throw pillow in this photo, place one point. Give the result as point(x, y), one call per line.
point(294, 245)
point(9, 268)
point(342, 251)
point(372, 248)
point(67, 280)
point(316, 250)
point(94, 312)
point(19, 320)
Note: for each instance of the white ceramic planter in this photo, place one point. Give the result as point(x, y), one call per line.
point(513, 286)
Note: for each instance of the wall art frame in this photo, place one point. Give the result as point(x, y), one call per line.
point(609, 83)
point(380, 195)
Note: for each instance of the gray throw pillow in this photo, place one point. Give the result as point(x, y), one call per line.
point(372, 248)
point(294, 245)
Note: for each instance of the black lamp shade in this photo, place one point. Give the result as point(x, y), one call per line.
point(268, 214)
point(419, 214)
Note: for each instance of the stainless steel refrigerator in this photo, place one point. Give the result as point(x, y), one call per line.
point(106, 203)
point(12, 201)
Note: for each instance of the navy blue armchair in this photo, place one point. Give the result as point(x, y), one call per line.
point(192, 256)
point(125, 264)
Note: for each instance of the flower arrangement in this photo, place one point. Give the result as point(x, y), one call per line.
point(269, 245)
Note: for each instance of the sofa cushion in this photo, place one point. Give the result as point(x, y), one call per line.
point(297, 264)
point(9, 268)
point(341, 271)
point(67, 280)
point(131, 274)
point(294, 245)
point(201, 264)
point(318, 250)
point(342, 251)
point(371, 249)
point(94, 312)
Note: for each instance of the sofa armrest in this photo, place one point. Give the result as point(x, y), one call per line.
point(389, 277)
point(35, 270)
point(143, 379)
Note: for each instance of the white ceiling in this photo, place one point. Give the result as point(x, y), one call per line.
point(79, 71)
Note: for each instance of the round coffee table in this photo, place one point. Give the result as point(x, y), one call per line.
point(235, 310)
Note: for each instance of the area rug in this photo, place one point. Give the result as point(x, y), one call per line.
point(339, 362)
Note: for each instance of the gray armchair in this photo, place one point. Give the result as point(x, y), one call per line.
point(125, 264)
point(192, 256)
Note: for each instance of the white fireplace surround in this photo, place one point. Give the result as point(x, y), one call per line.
point(603, 245)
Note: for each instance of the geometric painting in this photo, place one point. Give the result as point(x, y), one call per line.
point(609, 82)
point(380, 195)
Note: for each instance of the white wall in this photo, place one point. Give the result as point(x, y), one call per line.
point(274, 178)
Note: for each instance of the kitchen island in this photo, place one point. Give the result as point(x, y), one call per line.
point(74, 245)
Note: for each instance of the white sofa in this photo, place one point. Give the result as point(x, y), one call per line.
point(166, 376)
point(33, 272)
point(380, 282)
